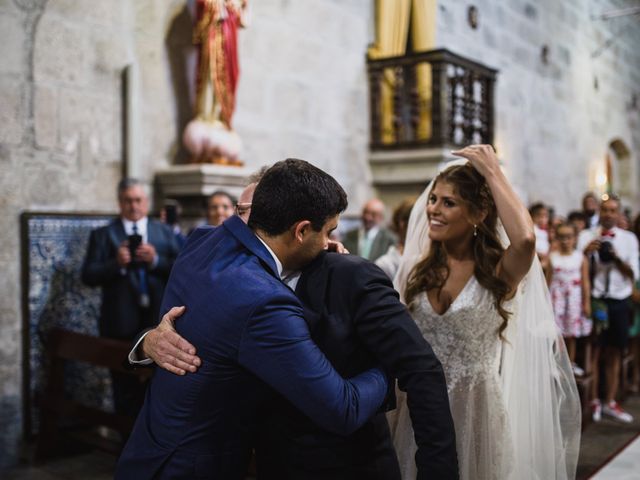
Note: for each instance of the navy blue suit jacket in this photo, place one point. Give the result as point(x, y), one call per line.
point(249, 330)
point(356, 318)
point(120, 315)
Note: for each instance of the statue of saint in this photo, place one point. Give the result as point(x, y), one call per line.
point(209, 137)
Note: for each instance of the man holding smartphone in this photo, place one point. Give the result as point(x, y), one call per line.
point(130, 259)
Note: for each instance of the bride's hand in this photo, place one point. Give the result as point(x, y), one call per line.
point(482, 157)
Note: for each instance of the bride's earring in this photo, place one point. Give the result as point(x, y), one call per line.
point(475, 230)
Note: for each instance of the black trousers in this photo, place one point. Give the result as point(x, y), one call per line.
point(619, 314)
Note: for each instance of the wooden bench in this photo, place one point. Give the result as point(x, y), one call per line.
point(63, 346)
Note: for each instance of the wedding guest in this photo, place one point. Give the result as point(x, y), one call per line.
point(355, 314)
point(578, 220)
point(590, 207)
point(130, 259)
point(613, 258)
point(219, 207)
point(570, 289)
point(390, 261)
point(371, 240)
point(242, 316)
point(634, 330)
point(540, 215)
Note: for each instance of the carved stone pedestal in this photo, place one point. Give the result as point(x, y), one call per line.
point(401, 173)
point(192, 184)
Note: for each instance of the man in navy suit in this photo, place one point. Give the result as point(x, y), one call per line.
point(132, 278)
point(356, 319)
point(248, 326)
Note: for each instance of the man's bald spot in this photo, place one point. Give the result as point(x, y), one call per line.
point(372, 213)
point(375, 205)
point(247, 194)
point(243, 208)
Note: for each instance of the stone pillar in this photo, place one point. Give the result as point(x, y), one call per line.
point(192, 184)
point(401, 173)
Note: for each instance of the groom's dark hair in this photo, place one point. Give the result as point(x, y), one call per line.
point(294, 190)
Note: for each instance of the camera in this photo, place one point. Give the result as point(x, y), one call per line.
point(605, 252)
point(135, 241)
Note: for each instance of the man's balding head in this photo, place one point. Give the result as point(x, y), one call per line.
point(372, 213)
point(243, 207)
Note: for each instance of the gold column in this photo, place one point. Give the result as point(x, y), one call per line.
point(424, 38)
point(392, 27)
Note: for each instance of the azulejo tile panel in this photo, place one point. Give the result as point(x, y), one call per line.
point(55, 249)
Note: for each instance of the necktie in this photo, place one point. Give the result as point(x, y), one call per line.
point(365, 245)
point(608, 233)
point(143, 288)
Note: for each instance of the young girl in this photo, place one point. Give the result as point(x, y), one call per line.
point(569, 284)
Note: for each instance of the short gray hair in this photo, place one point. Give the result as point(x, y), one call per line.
point(128, 182)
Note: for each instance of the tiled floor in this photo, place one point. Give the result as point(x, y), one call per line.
point(625, 466)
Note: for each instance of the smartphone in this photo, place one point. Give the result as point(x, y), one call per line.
point(135, 241)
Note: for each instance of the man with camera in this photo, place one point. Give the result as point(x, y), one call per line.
point(130, 259)
point(613, 259)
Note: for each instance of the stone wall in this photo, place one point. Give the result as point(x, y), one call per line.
point(302, 93)
point(553, 124)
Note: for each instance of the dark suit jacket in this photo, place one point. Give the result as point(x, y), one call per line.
point(248, 328)
point(120, 314)
point(357, 320)
point(381, 243)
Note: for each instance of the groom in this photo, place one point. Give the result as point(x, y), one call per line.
point(249, 329)
point(356, 319)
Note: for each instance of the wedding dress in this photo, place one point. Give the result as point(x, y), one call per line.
point(464, 338)
point(514, 400)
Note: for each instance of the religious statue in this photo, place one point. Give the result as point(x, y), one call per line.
point(209, 137)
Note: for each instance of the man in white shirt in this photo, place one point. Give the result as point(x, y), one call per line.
point(130, 259)
point(613, 257)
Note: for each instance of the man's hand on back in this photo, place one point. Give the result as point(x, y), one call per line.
point(169, 350)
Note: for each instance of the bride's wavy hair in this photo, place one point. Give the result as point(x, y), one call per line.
point(432, 271)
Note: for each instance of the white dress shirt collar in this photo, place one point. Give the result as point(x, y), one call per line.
point(141, 225)
point(288, 277)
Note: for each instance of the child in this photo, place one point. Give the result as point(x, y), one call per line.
point(578, 220)
point(570, 290)
point(540, 216)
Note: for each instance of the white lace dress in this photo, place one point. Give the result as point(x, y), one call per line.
point(465, 340)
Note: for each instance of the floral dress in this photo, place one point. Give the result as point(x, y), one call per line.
point(566, 294)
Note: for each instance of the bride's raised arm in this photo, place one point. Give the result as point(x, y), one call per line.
point(515, 218)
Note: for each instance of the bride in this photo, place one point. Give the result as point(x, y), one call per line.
point(475, 288)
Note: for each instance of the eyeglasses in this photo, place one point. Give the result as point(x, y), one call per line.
point(242, 208)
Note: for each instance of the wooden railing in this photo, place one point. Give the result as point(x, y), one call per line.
point(430, 99)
